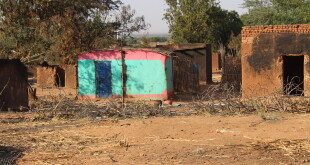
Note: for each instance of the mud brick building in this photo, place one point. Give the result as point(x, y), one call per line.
point(276, 59)
point(50, 76)
point(13, 85)
point(57, 76)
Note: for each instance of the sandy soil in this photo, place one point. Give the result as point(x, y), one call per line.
point(175, 140)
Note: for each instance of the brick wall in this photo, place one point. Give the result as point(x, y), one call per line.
point(253, 31)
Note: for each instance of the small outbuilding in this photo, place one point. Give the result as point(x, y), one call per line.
point(50, 76)
point(147, 74)
point(276, 59)
point(200, 54)
point(57, 76)
point(13, 84)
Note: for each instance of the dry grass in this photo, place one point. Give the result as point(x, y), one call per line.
point(59, 142)
point(214, 100)
point(226, 101)
point(295, 149)
point(65, 108)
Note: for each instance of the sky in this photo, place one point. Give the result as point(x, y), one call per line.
point(153, 11)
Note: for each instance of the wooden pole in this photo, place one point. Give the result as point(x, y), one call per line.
point(123, 78)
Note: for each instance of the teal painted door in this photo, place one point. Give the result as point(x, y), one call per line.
point(103, 79)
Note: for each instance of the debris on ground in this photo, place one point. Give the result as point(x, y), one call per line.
point(9, 155)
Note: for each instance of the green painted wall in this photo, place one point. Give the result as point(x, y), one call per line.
point(143, 77)
point(86, 77)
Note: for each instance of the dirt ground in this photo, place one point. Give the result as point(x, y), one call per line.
point(173, 140)
point(284, 138)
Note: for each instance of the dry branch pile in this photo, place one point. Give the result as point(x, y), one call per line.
point(228, 102)
point(66, 108)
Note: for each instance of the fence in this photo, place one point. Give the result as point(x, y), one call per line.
point(231, 74)
point(186, 75)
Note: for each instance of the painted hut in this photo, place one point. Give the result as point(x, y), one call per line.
point(148, 74)
point(13, 85)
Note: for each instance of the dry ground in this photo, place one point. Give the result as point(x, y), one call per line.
point(284, 138)
point(175, 140)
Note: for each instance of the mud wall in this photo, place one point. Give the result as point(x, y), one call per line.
point(46, 76)
point(70, 76)
point(216, 62)
point(13, 85)
point(262, 50)
point(57, 76)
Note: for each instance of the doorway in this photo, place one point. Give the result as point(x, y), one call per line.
point(293, 75)
point(60, 77)
point(103, 79)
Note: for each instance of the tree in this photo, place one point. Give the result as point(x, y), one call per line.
point(131, 41)
point(192, 21)
point(276, 12)
point(144, 41)
point(291, 12)
point(260, 12)
point(57, 29)
point(128, 23)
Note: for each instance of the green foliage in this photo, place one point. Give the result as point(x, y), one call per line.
point(144, 40)
point(291, 12)
point(61, 29)
point(276, 12)
point(7, 44)
point(234, 46)
point(158, 39)
point(58, 29)
point(193, 21)
point(131, 41)
point(260, 12)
